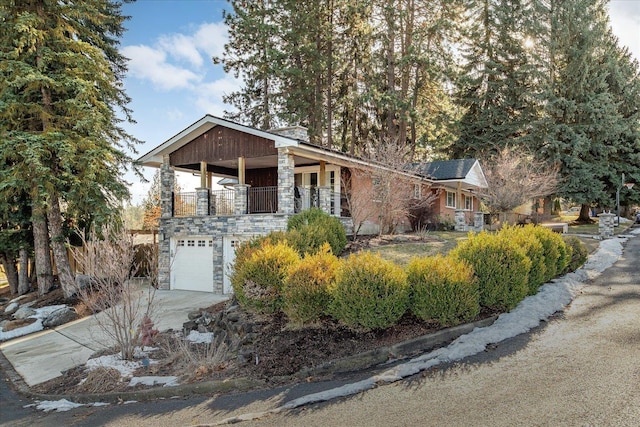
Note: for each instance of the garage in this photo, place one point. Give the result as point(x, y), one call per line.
point(192, 263)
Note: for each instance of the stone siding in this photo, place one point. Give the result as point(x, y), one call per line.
point(217, 227)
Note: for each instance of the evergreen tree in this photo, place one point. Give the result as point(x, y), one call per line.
point(60, 101)
point(581, 128)
point(253, 53)
point(499, 78)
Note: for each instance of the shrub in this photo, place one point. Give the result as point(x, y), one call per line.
point(579, 253)
point(527, 240)
point(500, 266)
point(442, 289)
point(564, 253)
point(306, 290)
point(248, 247)
point(369, 292)
point(258, 280)
point(551, 252)
point(315, 227)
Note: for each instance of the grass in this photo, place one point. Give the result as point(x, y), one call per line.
point(401, 253)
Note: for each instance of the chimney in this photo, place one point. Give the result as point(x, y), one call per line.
point(294, 132)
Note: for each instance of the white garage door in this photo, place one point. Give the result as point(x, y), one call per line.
point(192, 264)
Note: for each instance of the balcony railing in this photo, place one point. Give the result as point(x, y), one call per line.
point(184, 204)
point(262, 200)
point(259, 200)
point(221, 202)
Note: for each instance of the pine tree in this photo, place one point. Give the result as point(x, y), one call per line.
point(61, 100)
point(581, 127)
point(498, 84)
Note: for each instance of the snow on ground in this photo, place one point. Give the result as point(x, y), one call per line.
point(61, 405)
point(199, 337)
point(41, 314)
point(552, 297)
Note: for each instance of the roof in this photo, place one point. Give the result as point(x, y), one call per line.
point(446, 169)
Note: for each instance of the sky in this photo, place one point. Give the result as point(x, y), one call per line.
point(173, 82)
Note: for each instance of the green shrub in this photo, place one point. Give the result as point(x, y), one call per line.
point(579, 253)
point(551, 251)
point(442, 289)
point(306, 290)
point(527, 240)
point(259, 279)
point(564, 253)
point(500, 266)
point(369, 292)
point(248, 247)
point(311, 228)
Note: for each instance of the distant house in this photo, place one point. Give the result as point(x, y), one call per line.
point(267, 176)
point(456, 182)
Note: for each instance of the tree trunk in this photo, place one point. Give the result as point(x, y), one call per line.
point(547, 207)
point(584, 214)
point(44, 270)
point(9, 265)
point(23, 273)
point(60, 254)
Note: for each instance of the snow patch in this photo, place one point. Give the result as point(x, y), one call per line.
point(61, 405)
point(200, 337)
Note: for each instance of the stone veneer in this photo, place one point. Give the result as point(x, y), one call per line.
point(167, 184)
point(286, 181)
point(217, 227)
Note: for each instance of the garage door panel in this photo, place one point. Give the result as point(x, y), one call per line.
point(192, 264)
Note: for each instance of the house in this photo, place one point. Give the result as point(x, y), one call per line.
point(456, 184)
point(268, 176)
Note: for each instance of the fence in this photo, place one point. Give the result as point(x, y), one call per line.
point(262, 200)
point(222, 202)
point(184, 204)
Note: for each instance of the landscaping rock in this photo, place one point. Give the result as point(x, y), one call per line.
point(11, 308)
point(24, 312)
point(59, 317)
point(194, 314)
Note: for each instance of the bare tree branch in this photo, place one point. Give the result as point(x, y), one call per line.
point(515, 178)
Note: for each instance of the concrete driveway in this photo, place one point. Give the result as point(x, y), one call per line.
point(45, 355)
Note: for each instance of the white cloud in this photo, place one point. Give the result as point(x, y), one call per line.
point(180, 46)
point(151, 64)
point(210, 94)
point(211, 38)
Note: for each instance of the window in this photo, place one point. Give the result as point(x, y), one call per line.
point(191, 243)
point(201, 243)
point(451, 199)
point(417, 191)
point(468, 202)
point(180, 242)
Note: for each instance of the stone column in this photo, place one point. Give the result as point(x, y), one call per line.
point(606, 224)
point(324, 194)
point(167, 184)
point(478, 221)
point(460, 221)
point(286, 181)
point(240, 199)
point(202, 201)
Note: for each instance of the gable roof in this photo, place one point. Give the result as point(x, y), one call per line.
point(446, 169)
point(154, 157)
point(466, 171)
